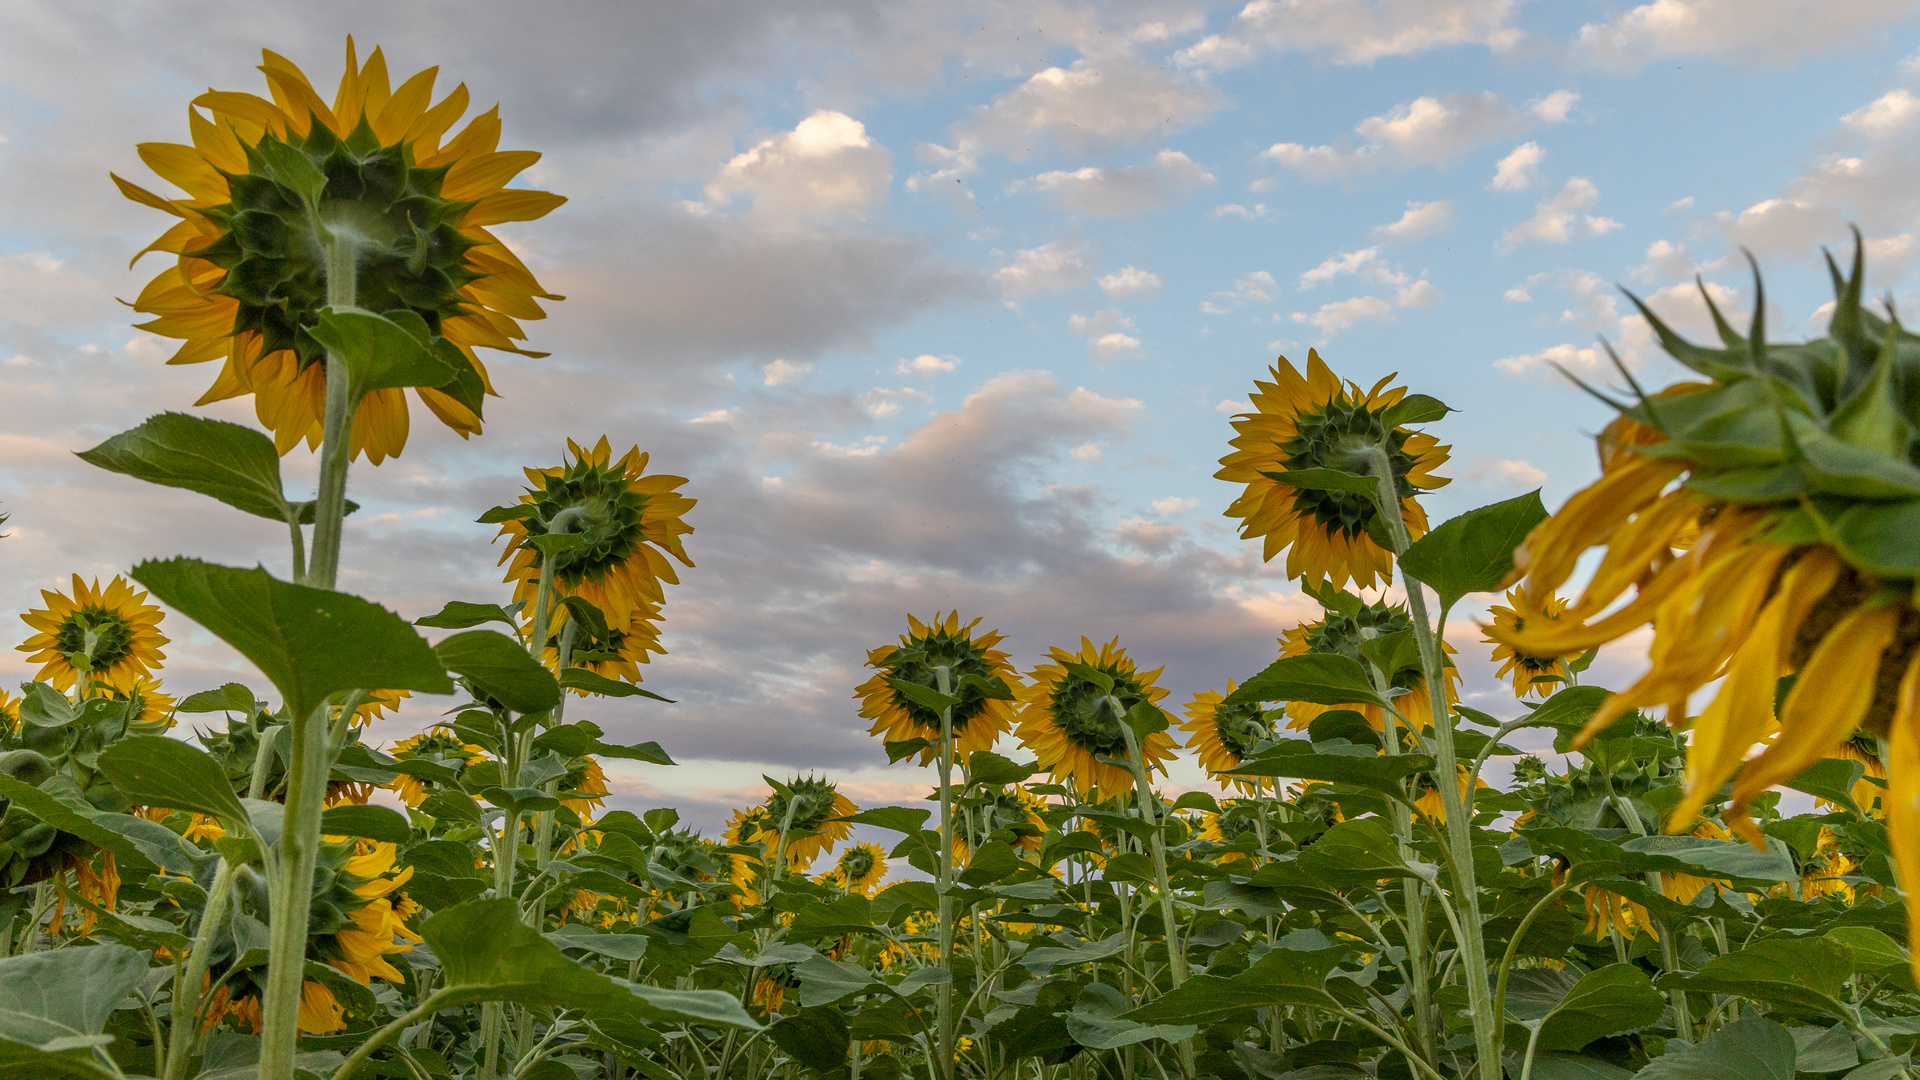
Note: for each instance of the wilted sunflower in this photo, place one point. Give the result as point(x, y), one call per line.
point(859, 868)
point(109, 636)
point(1223, 738)
point(1765, 522)
point(1315, 422)
point(1070, 721)
point(628, 523)
point(1522, 669)
point(269, 183)
point(978, 674)
point(1339, 632)
point(438, 744)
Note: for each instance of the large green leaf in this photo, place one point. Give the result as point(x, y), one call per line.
point(816, 1038)
point(459, 615)
point(1337, 761)
point(1607, 1001)
point(583, 738)
point(592, 682)
point(1473, 552)
point(1095, 1021)
point(1322, 678)
point(500, 668)
point(1878, 537)
point(381, 352)
point(1282, 977)
point(1802, 974)
point(66, 994)
point(310, 643)
point(1750, 1048)
point(136, 841)
point(487, 954)
point(369, 821)
point(62, 1058)
point(234, 464)
point(152, 770)
point(1354, 852)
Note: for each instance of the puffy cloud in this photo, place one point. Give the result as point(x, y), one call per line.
point(1352, 262)
point(1422, 293)
point(881, 402)
point(783, 371)
point(1506, 474)
point(926, 365)
point(1131, 282)
point(1752, 31)
point(1056, 267)
point(1174, 504)
point(1341, 315)
point(1352, 32)
point(1558, 220)
point(1519, 170)
point(1425, 131)
point(827, 166)
point(1586, 362)
point(1109, 337)
point(1890, 114)
point(1554, 107)
point(1129, 191)
point(1258, 212)
point(1422, 219)
point(1257, 287)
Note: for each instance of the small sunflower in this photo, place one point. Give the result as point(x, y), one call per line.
point(1070, 722)
point(146, 704)
point(1430, 805)
point(618, 655)
point(1234, 820)
point(435, 744)
point(250, 278)
point(1531, 676)
point(588, 780)
point(9, 711)
point(1223, 739)
point(1870, 797)
point(109, 636)
point(1340, 632)
point(1316, 422)
point(815, 805)
point(629, 523)
point(858, 869)
point(1014, 810)
point(978, 674)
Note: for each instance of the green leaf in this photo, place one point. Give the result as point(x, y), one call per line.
point(987, 767)
point(1720, 858)
point(1393, 653)
point(1322, 678)
point(903, 748)
point(310, 643)
point(1878, 537)
point(458, 615)
point(1326, 480)
point(520, 799)
point(1751, 1048)
point(487, 954)
point(1282, 977)
point(816, 1038)
point(1872, 949)
point(1145, 719)
point(1095, 1021)
point(381, 352)
point(152, 770)
point(623, 947)
point(501, 669)
point(583, 738)
point(900, 819)
point(924, 696)
point(234, 464)
point(591, 619)
point(1337, 761)
point(1044, 958)
point(1359, 851)
point(228, 697)
point(1415, 409)
point(1831, 779)
point(1607, 1001)
point(1473, 552)
point(1570, 1067)
point(74, 990)
point(824, 981)
point(43, 706)
point(1804, 974)
point(594, 683)
point(990, 862)
point(369, 821)
point(134, 841)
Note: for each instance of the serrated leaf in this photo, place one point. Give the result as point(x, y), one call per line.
point(381, 352)
point(1322, 678)
point(594, 683)
point(1473, 552)
point(1751, 1048)
point(152, 770)
point(228, 697)
point(1606, 1001)
point(234, 464)
point(459, 615)
point(501, 669)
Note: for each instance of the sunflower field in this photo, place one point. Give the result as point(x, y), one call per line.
point(206, 884)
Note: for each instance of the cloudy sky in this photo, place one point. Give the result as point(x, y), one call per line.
point(947, 304)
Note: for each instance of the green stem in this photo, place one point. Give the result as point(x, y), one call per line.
point(943, 994)
point(1157, 844)
point(186, 987)
point(299, 547)
point(1513, 946)
point(336, 445)
point(1487, 1028)
point(380, 1038)
point(291, 897)
point(543, 823)
point(1669, 947)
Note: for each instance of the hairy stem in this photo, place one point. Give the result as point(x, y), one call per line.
point(944, 992)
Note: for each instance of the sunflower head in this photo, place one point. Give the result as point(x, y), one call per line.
point(1347, 622)
point(979, 675)
point(627, 522)
point(273, 185)
point(440, 745)
point(1316, 422)
point(1223, 738)
point(1071, 712)
point(1530, 675)
point(604, 650)
point(809, 809)
point(1012, 811)
point(860, 867)
point(1236, 820)
point(107, 636)
point(589, 785)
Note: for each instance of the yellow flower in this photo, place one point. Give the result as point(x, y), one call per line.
point(1522, 669)
point(1070, 721)
point(9, 711)
point(1429, 804)
point(250, 279)
point(859, 868)
point(110, 635)
point(1223, 739)
point(616, 656)
point(1339, 632)
point(1316, 422)
point(146, 704)
point(1870, 797)
point(629, 522)
point(590, 781)
point(978, 674)
point(1234, 820)
point(812, 827)
point(436, 743)
point(1003, 810)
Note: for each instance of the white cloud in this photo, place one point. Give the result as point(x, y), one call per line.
point(783, 371)
point(1558, 220)
point(881, 402)
point(1341, 315)
point(1764, 31)
point(1131, 282)
point(1056, 267)
point(1351, 262)
point(1497, 473)
point(1680, 205)
point(1422, 219)
point(1129, 191)
point(1519, 170)
point(1517, 295)
point(717, 416)
point(1665, 259)
point(1087, 452)
point(927, 365)
point(1257, 287)
point(1554, 107)
point(1888, 115)
point(1353, 32)
point(1259, 212)
point(1230, 406)
point(1107, 337)
point(1174, 504)
point(827, 166)
point(1425, 131)
point(1422, 293)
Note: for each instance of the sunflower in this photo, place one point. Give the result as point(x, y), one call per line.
point(628, 521)
point(439, 744)
point(1765, 527)
point(978, 674)
point(1223, 739)
point(618, 655)
point(250, 278)
point(1870, 797)
point(111, 636)
point(1340, 631)
point(1531, 676)
point(858, 869)
point(1429, 804)
point(1236, 819)
point(1071, 721)
point(815, 805)
point(146, 704)
point(1606, 909)
point(9, 711)
point(1316, 422)
point(1013, 809)
point(589, 782)
point(377, 704)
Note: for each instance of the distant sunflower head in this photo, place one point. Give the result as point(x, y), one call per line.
point(979, 675)
point(860, 867)
point(1348, 620)
point(146, 705)
point(628, 521)
point(1316, 422)
point(617, 654)
point(1071, 720)
point(1223, 738)
point(270, 184)
point(1013, 811)
point(1530, 675)
point(1236, 820)
point(590, 785)
point(109, 636)
point(439, 745)
point(808, 808)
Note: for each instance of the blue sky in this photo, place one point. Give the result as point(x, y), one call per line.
point(938, 305)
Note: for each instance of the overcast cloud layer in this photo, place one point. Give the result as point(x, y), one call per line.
point(944, 305)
